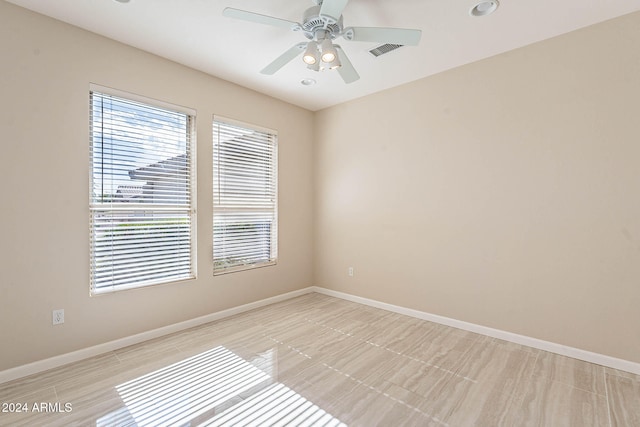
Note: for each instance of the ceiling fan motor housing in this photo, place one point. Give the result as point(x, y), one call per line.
point(312, 22)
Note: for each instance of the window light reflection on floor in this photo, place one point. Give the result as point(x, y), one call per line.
point(214, 388)
point(277, 405)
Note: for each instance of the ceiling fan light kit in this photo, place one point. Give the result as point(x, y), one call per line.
point(311, 54)
point(329, 53)
point(321, 24)
point(314, 67)
point(335, 63)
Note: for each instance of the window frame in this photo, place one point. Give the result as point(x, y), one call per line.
point(190, 211)
point(274, 230)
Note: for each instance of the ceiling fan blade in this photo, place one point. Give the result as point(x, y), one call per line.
point(401, 36)
point(346, 71)
point(332, 9)
point(284, 59)
point(260, 19)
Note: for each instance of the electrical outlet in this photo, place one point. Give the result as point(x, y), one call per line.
point(350, 271)
point(58, 317)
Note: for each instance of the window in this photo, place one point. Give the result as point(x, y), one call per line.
point(142, 187)
point(245, 205)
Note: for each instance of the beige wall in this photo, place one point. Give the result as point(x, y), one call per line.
point(46, 67)
point(504, 193)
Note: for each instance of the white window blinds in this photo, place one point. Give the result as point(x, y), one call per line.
point(142, 186)
point(245, 205)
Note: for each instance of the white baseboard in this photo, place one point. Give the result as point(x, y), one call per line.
point(75, 356)
point(576, 353)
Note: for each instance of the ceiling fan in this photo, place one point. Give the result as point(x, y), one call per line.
point(321, 24)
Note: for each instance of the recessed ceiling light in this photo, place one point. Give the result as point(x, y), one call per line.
point(484, 8)
point(122, 1)
point(307, 82)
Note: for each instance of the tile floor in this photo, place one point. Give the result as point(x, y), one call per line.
point(321, 361)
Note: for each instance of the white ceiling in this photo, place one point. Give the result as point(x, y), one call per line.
point(194, 33)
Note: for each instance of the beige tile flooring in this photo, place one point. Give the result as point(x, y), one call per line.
point(321, 361)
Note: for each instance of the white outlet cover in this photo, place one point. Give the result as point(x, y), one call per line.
point(58, 317)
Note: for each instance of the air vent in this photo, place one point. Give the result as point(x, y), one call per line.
point(385, 48)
